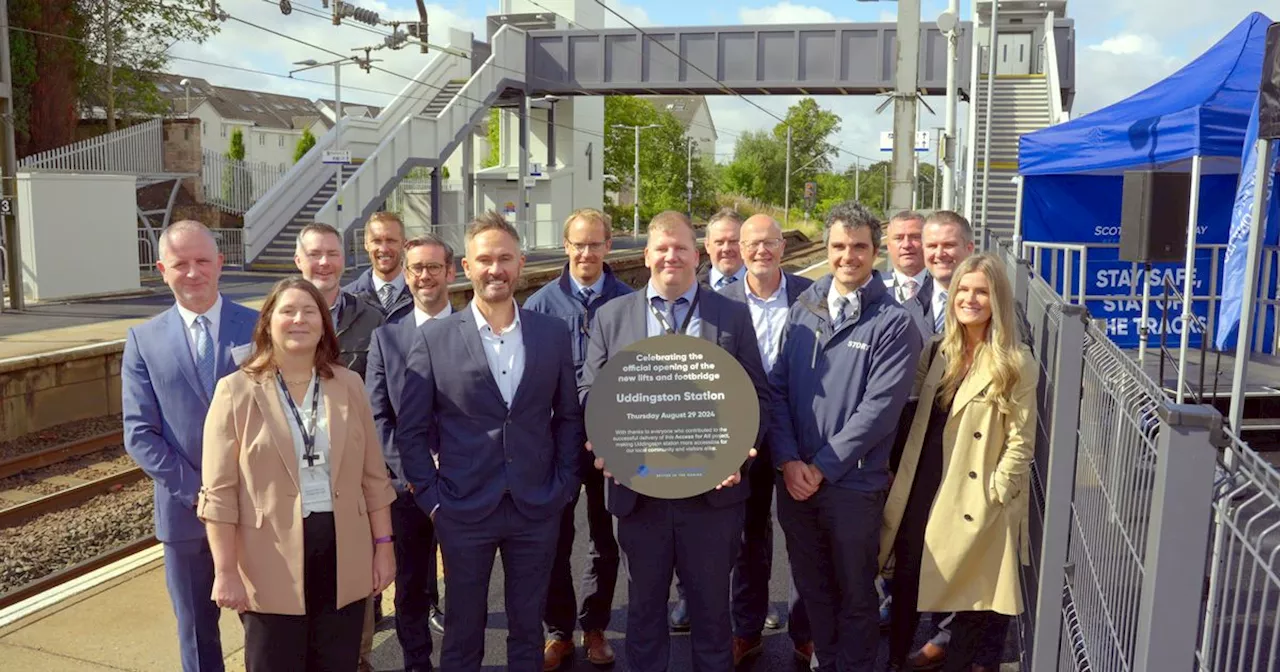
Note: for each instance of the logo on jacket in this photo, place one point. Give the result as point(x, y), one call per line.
point(859, 346)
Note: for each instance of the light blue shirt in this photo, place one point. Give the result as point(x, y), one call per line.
point(596, 287)
point(769, 317)
point(716, 277)
point(695, 322)
point(504, 351)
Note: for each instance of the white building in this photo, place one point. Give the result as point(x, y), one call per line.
point(695, 116)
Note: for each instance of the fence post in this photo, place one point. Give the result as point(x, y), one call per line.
point(1169, 607)
point(1059, 479)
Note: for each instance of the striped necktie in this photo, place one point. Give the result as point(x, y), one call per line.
point(940, 319)
point(388, 296)
point(205, 367)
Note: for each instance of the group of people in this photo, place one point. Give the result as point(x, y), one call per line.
point(897, 414)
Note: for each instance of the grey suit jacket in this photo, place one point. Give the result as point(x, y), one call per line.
point(920, 308)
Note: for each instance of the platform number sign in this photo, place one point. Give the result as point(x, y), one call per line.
point(6, 207)
point(810, 195)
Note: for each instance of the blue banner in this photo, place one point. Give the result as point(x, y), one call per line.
point(1233, 276)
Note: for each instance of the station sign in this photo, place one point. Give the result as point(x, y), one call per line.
point(341, 157)
point(922, 141)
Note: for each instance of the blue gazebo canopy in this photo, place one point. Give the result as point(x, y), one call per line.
point(1201, 109)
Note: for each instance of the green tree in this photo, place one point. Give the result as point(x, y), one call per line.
point(129, 39)
point(811, 148)
point(664, 167)
point(47, 67)
point(872, 184)
point(758, 167)
point(305, 143)
point(494, 135)
point(236, 182)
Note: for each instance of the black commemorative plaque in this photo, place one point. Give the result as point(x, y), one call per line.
point(672, 416)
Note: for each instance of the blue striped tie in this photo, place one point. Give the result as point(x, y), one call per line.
point(205, 367)
point(940, 320)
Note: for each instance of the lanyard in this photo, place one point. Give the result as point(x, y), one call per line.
point(688, 317)
point(308, 435)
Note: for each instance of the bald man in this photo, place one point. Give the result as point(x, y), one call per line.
point(768, 293)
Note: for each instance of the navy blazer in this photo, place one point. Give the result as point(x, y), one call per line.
point(164, 409)
point(362, 287)
point(726, 323)
point(485, 449)
point(384, 382)
point(796, 284)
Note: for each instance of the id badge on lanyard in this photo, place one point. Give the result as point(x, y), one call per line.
point(313, 477)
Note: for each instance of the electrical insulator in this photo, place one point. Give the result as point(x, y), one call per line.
point(345, 10)
point(395, 40)
point(418, 30)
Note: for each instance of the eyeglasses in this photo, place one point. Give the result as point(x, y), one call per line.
point(585, 247)
point(416, 270)
point(771, 244)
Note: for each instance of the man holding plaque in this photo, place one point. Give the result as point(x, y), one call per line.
point(698, 536)
point(841, 380)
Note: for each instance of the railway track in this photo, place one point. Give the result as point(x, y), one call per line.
point(60, 453)
point(73, 572)
point(74, 493)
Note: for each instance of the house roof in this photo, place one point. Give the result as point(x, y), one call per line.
point(683, 108)
point(265, 110)
point(350, 109)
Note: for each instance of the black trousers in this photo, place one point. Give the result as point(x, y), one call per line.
point(977, 638)
point(326, 639)
point(417, 590)
point(833, 540)
point(600, 576)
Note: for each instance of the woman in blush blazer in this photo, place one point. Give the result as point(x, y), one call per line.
point(295, 493)
point(956, 512)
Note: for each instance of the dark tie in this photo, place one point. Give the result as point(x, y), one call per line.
point(206, 367)
point(842, 306)
point(726, 280)
point(661, 304)
point(585, 295)
point(388, 293)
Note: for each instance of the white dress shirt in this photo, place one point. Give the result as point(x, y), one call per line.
point(378, 283)
point(214, 315)
point(504, 351)
point(900, 282)
point(769, 317)
point(420, 316)
point(311, 479)
point(855, 301)
point(939, 305)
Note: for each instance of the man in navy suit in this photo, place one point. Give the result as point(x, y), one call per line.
point(768, 293)
point(492, 391)
point(586, 284)
point(908, 280)
point(167, 374)
point(698, 536)
point(428, 269)
point(384, 283)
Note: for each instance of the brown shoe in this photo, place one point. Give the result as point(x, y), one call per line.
point(556, 654)
point(599, 651)
point(744, 646)
point(929, 657)
point(804, 652)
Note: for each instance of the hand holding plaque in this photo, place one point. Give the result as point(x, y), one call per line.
point(671, 415)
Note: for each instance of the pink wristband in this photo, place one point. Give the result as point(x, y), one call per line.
point(384, 540)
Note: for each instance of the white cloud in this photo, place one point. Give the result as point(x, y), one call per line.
point(1128, 44)
point(634, 13)
point(887, 16)
point(786, 12)
point(240, 45)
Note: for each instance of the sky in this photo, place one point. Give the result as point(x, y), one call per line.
point(1122, 46)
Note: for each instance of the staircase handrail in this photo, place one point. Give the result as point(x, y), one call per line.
point(362, 136)
point(368, 182)
point(1051, 74)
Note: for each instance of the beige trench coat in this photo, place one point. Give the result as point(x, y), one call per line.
point(976, 534)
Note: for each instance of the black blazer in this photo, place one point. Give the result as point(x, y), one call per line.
point(726, 323)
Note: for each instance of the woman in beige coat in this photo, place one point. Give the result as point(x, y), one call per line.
point(955, 513)
point(296, 497)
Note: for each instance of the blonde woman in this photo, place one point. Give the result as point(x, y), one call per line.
point(953, 520)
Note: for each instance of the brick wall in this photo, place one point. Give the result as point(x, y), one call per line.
point(183, 153)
